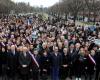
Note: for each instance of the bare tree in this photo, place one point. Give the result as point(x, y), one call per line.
point(74, 6)
point(6, 6)
point(93, 7)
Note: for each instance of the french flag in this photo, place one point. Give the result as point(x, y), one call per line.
point(34, 59)
point(91, 58)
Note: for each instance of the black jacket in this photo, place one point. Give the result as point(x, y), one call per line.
point(97, 59)
point(65, 60)
point(12, 60)
point(56, 61)
point(45, 62)
point(24, 60)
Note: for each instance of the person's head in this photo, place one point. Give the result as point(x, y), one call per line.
point(86, 48)
point(24, 41)
point(12, 36)
point(62, 38)
point(92, 52)
point(18, 42)
point(99, 36)
point(4, 40)
point(56, 49)
point(35, 52)
point(83, 43)
point(60, 45)
point(14, 40)
point(8, 47)
point(94, 32)
point(12, 33)
point(95, 48)
point(72, 46)
point(49, 44)
point(66, 43)
point(31, 47)
point(55, 43)
point(82, 50)
point(65, 50)
point(3, 49)
point(69, 37)
point(77, 45)
point(87, 44)
point(25, 49)
point(13, 47)
point(74, 39)
point(58, 40)
point(37, 41)
point(44, 45)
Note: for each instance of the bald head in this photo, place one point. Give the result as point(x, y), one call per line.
point(12, 47)
point(78, 45)
point(25, 49)
point(44, 45)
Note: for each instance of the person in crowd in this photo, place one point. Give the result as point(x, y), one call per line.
point(12, 62)
point(24, 63)
point(76, 59)
point(70, 54)
point(91, 64)
point(80, 62)
point(45, 65)
point(64, 72)
point(0, 60)
point(97, 60)
point(35, 65)
point(3, 62)
point(55, 64)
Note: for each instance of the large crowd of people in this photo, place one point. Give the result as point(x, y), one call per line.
point(31, 48)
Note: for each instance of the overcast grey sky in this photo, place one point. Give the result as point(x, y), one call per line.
point(45, 3)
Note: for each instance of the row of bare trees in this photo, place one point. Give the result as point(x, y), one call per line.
point(76, 7)
point(6, 6)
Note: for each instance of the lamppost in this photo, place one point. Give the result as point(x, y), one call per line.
point(42, 9)
point(59, 8)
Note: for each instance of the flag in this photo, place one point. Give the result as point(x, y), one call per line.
point(34, 59)
point(28, 40)
point(92, 59)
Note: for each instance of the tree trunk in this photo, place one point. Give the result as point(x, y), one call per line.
point(66, 17)
point(83, 14)
point(75, 16)
point(89, 16)
point(94, 18)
